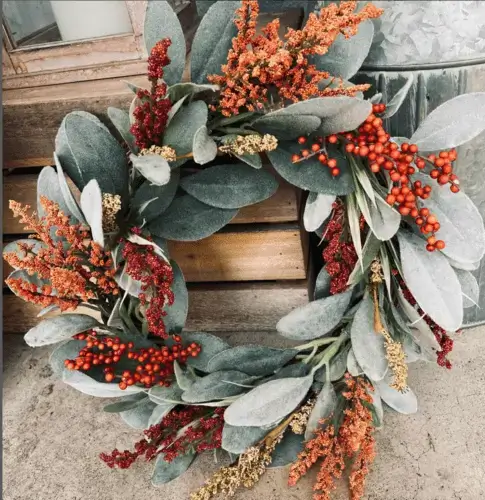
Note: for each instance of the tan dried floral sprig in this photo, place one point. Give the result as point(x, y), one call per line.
point(111, 206)
point(164, 151)
point(250, 144)
point(394, 351)
point(300, 419)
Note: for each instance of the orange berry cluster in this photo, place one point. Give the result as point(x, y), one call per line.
point(372, 142)
point(155, 364)
point(318, 149)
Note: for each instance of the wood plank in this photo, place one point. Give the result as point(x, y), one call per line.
point(230, 307)
point(274, 254)
point(281, 207)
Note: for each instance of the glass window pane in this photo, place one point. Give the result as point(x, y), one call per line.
point(32, 22)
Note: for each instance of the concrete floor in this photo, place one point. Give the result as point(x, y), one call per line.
point(52, 436)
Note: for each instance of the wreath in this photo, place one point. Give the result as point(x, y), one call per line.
point(399, 243)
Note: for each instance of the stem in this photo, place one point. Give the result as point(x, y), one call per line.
point(268, 440)
point(330, 352)
point(317, 342)
point(378, 326)
point(310, 356)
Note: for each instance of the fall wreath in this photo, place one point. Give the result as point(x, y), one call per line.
point(399, 240)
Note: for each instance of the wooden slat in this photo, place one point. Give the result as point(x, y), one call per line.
point(250, 255)
point(281, 207)
point(230, 307)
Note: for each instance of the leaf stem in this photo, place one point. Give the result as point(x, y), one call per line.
point(316, 342)
point(331, 351)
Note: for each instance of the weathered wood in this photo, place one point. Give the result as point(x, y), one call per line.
point(230, 307)
point(273, 254)
point(281, 207)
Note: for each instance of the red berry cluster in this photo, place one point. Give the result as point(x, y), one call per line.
point(155, 363)
point(339, 255)
point(444, 340)
point(205, 433)
point(151, 115)
point(372, 142)
point(156, 277)
point(318, 149)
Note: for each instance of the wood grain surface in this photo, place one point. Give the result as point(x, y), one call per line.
point(226, 307)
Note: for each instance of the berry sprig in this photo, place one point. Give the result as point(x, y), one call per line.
point(371, 142)
point(155, 363)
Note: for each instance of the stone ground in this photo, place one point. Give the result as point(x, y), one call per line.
point(52, 436)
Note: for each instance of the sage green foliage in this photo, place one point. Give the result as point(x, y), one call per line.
point(92, 207)
point(213, 40)
point(210, 346)
point(469, 287)
point(268, 403)
point(287, 450)
point(185, 378)
point(13, 247)
point(162, 395)
point(369, 253)
point(402, 402)
point(88, 151)
point(204, 147)
point(48, 185)
point(230, 186)
point(324, 407)
point(162, 196)
point(162, 22)
point(153, 167)
point(66, 350)
point(139, 416)
point(188, 219)
point(251, 359)
point(218, 385)
point(66, 192)
point(367, 344)
point(315, 319)
point(32, 279)
point(121, 120)
point(290, 371)
point(392, 107)
point(165, 472)
point(309, 174)
point(177, 312)
point(318, 208)
point(346, 55)
point(58, 328)
point(237, 439)
point(286, 126)
point(181, 130)
point(183, 90)
point(322, 285)
point(125, 404)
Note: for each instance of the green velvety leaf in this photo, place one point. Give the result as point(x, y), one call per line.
point(316, 319)
point(218, 385)
point(13, 247)
point(432, 281)
point(324, 406)
point(125, 404)
point(121, 120)
point(153, 167)
point(472, 266)
point(318, 207)
point(287, 450)
point(165, 472)
point(58, 328)
point(204, 147)
point(91, 387)
point(461, 224)
point(33, 279)
point(338, 367)
point(252, 160)
point(163, 395)
point(310, 174)
point(160, 411)
point(210, 346)
point(383, 220)
point(210, 45)
point(238, 439)
point(230, 186)
point(289, 371)
point(469, 287)
point(322, 285)
point(88, 151)
point(66, 350)
point(376, 98)
point(139, 416)
point(346, 55)
point(162, 197)
point(352, 364)
point(367, 344)
point(162, 22)
point(187, 89)
point(184, 378)
point(268, 403)
point(177, 312)
point(453, 123)
point(188, 219)
point(66, 192)
point(92, 207)
point(353, 217)
point(402, 402)
point(395, 103)
point(181, 131)
point(48, 185)
point(377, 404)
point(285, 126)
point(369, 253)
point(251, 359)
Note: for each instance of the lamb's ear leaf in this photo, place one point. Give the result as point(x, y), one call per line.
point(162, 22)
point(121, 120)
point(317, 209)
point(346, 55)
point(204, 148)
point(238, 439)
point(177, 312)
point(153, 167)
point(210, 45)
point(92, 207)
point(452, 124)
point(324, 407)
point(48, 186)
point(165, 472)
point(469, 288)
point(395, 103)
point(287, 450)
